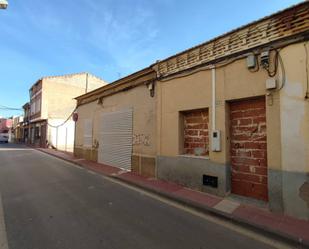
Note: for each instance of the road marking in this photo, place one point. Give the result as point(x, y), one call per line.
point(3, 237)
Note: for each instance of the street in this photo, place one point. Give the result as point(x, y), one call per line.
point(49, 203)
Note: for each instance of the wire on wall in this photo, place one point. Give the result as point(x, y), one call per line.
point(204, 68)
point(57, 126)
point(282, 71)
point(277, 61)
point(272, 73)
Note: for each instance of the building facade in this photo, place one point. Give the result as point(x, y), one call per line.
point(25, 124)
point(5, 129)
point(17, 129)
point(117, 124)
point(229, 116)
point(52, 104)
point(5, 125)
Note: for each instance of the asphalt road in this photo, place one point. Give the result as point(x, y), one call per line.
point(48, 203)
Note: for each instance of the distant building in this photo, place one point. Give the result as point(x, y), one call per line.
point(5, 125)
point(26, 120)
point(17, 129)
point(5, 129)
point(49, 114)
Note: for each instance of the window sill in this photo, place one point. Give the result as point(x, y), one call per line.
point(196, 157)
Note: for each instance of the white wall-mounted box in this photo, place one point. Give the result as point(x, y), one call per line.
point(271, 83)
point(216, 140)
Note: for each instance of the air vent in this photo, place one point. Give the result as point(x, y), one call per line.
point(211, 181)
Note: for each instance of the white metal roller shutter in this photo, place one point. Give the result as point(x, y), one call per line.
point(115, 146)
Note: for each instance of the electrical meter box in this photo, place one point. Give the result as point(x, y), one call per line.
point(271, 83)
point(251, 61)
point(216, 140)
point(265, 58)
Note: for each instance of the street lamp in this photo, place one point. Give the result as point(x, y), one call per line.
point(3, 4)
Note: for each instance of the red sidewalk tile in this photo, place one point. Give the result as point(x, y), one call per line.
point(296, 227)
point(163, 185)
point(258, 216)
point(105, 169)
point(174, 188)
point(129, 176)
point(200, 198)
point(280, 222)
point(247, 211)
point(152, 183)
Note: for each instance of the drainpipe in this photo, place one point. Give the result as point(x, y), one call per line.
point(213, 73)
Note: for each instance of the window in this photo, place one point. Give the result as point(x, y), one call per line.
point(38, 105)
point(32, 108)
point(195, 132)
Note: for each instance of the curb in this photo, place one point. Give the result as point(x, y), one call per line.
point(284, 237)
point(287, 238)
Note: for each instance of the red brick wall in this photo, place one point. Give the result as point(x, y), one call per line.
point(248, 148)
point(196, 139)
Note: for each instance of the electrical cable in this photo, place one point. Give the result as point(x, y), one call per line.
point(282, 71)
point(3, 107)
point(57, 126)
point(278, 61)
point(274, 72)
point(205, 68)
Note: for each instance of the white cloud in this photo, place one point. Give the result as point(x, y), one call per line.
point(128, 36)
point(117, 35)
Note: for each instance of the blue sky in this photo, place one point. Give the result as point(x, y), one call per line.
point(108, 38)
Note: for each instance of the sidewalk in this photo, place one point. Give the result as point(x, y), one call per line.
point(284, 227)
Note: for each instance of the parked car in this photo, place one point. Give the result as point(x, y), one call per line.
point(4, 137)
